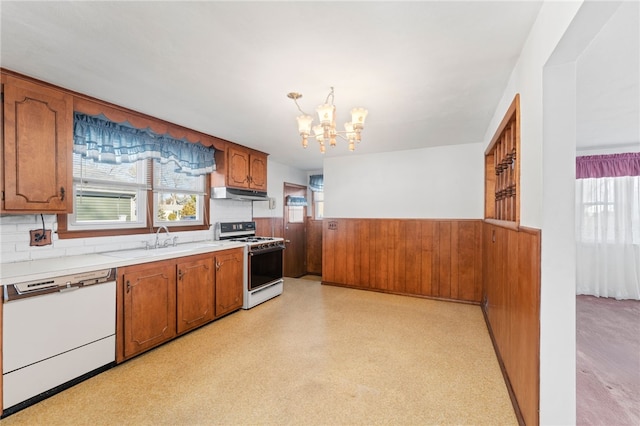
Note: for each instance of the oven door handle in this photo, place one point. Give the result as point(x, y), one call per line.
point(266, 250)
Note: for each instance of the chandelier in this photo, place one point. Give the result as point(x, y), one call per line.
point(326, 130)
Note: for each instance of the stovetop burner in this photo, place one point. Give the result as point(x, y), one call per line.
point(245, 232)
point(252, 239)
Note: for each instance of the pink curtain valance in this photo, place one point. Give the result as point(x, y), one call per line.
point(613, 165)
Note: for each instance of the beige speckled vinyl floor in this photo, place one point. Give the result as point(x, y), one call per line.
point(316, 355)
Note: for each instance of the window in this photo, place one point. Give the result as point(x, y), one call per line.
point(125, 178)
point(318, 205)
point(108, 196)
point(114, 196)
point(316, 184)
point(608, 210)
point(178, 197)
point(296, 208)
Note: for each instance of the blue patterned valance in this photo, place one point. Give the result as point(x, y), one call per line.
point(101, 140)
point(316, 183)
point(296, 201)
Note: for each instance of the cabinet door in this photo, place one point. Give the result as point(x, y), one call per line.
point(238, 170)
point(149, 297)
point(258, 172)
point(195, 293)
point(38, 125)
point(229, 290)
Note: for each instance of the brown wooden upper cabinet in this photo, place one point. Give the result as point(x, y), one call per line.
point(36, 148)
point(246, 169)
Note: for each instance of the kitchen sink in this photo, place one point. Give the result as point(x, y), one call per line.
point(161, 251)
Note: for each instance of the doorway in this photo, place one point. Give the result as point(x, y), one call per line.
point(295, 215)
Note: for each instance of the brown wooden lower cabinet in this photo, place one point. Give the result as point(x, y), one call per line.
point(194, 293)
point(159, 300)
point(228, 278)
point(421, 257)
point(149, 301)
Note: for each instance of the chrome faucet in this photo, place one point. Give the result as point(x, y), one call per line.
point(166, 242)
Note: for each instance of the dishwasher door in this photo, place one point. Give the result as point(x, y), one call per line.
point(53, 338)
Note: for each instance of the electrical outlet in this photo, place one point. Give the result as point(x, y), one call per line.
point(38, 238)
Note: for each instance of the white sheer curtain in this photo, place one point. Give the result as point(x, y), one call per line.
point(608, 237)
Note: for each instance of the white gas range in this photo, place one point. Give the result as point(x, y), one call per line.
point(263, 279)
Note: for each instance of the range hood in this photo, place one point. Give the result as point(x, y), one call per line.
point(223, 192)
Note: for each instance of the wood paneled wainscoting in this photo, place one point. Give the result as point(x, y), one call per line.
point(269, 226)
point(511, 304)
point(314, 246)
point(419, 257)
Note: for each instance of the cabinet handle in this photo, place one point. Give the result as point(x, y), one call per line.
point(180, 274)
point(217, 265)
point(248, 178)
point(128, 286)
point(62, 191)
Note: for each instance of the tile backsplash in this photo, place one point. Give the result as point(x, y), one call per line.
point(14, 234)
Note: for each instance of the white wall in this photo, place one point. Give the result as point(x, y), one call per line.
point(442, 182)
point(277, 175)
point(558, 256)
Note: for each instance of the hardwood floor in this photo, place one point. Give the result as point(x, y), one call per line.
point(607, 361)
point(316, 355)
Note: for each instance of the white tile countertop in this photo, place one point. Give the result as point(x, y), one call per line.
point(12, 273)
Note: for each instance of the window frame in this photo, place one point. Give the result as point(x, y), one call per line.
point(65, 231)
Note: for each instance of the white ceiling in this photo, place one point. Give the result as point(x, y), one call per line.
point(608, 85)
point(430, 73)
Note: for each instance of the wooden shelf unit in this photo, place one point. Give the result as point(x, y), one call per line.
point(502, 169)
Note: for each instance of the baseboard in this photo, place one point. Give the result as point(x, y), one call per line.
point(399, 293)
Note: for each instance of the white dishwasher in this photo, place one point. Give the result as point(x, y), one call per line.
point(56, 332)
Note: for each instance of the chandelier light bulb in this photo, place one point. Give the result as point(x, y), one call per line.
point(318, 132)
point(325, 114)
point(358, 116)
point(304, 124)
